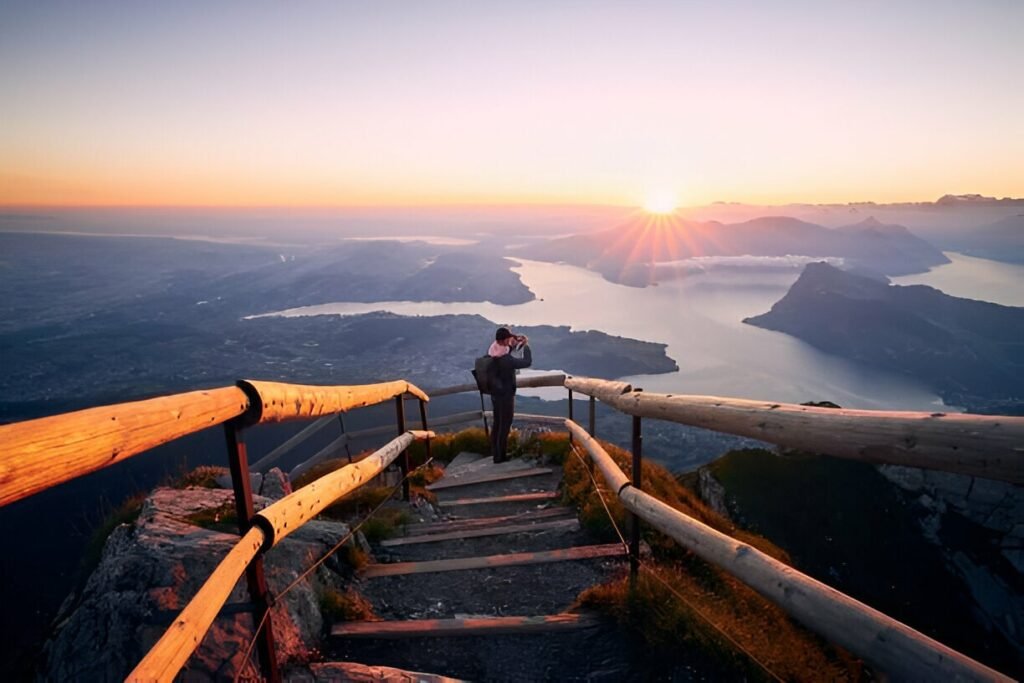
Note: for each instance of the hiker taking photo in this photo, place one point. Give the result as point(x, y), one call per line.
point(501, 382)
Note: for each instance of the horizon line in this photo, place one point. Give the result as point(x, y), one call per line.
point(483, 205)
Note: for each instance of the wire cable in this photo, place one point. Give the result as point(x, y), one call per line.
point(247, 657)
point(650, 571)
point(600, 496)
point(247, 660)
point(352, 531)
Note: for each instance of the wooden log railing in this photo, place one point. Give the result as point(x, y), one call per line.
point(988, 446)
point(277, 402)
point(331, 449)
point(39, 454)
point(889, 645)
point(165, 659)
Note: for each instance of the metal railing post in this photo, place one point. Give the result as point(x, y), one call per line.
point(634, 526)
point(423, 425)
point(259, 594)
point(593, 416)
point(483, 414)
point(404, 458)
point(570, 413)
point(341, 423)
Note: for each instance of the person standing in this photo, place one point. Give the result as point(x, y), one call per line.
point(503, 385)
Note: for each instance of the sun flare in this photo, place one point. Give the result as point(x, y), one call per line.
point(660, 203)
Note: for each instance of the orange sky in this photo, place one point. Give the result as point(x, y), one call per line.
point(335, 105)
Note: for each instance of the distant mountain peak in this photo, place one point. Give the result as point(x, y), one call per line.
point(947, 199)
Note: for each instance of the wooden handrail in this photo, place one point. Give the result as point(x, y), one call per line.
point(165, 659)
point(891, 646)
point(615, 478)
point(39, 454)
point(279, 402)
point(603, 389)
point(555, 379)
point(288, 514)
point(989, 446)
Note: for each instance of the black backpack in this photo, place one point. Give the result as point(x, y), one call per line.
point(485, 371)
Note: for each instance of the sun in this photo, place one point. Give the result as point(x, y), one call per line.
point(660, 203)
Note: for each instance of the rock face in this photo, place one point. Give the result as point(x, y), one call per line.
point(993, 564)
point(150, 570)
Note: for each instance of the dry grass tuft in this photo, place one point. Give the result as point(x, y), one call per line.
point(345, 605)
point(711, 602)
point(204, 476)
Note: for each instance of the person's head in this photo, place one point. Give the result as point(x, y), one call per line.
point(504, 336)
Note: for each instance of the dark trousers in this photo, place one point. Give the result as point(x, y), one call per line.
point(504, 408)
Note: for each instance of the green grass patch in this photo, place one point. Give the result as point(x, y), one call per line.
point(224, 518)
point(384, 524)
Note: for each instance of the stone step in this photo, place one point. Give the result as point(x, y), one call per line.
point(464, 459)
point(333, 672)
point(486, 477)
point(537, 497)
point(465, 626)
point(490, 561)
point(572, 523)
point(485, 464)
point(478, 522)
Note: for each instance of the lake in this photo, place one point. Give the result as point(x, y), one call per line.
point(699, 318)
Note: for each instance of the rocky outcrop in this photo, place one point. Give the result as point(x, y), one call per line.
point(712, 492)
point(150, 570)
point(976, 523)
point(969, 351)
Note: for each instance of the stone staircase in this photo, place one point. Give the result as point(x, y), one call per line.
point(483, 591)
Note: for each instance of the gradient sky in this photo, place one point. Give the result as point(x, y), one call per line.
point(362, 103)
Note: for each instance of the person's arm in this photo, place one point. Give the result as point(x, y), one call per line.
point(524, 362)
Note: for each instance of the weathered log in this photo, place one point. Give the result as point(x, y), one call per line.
point(309, 430)
point(538, 419)
point(888, 645)
point(894, 648)
point(612, 474)
point(601, 389)
point(583, 552)
point(465, 626)
point(536, 381)
point(552, 380)
point(38, 454)
point(291, 512)
point(990, 446)
point(176, 645)
point(280, 402)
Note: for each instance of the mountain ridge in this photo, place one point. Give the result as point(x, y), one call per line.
point(971, 352)
point(633, 252)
